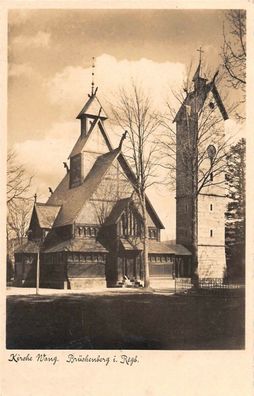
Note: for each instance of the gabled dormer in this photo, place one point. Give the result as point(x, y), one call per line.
point(42, 220)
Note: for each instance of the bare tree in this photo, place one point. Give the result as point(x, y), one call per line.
point(233, 57)
point(134, 112)
point(235, 215)
point(189, 156)
point(115, 186)
point(18, 218)
point(18, 197)
point(234, 48)
point(18, 182)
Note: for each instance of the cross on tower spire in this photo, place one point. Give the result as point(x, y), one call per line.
point(92, 85)
point(200, 53)
point(200, 57)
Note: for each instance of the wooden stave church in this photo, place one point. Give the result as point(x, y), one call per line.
point(85, 240)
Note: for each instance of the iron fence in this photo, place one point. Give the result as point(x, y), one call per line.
point(208, 286)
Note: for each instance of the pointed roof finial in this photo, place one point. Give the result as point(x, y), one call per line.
point(122, 139)
point(92, 85)
point(35, 198)
point(198, 71)
point(200, 58)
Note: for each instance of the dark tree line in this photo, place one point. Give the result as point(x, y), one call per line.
point(235, 215)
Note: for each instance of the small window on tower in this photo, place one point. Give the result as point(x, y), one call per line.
point(211, 105)
point(211, 207)
point(211, 233)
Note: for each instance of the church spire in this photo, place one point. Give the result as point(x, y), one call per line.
point(199, 82)
point(198, 71)
point(92, 109)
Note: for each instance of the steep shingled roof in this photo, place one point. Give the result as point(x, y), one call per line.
point(154, 247)
point(196, 101)
point(73, 199)
point(80, 143)
point(77, 245)
point(178, 250)
point(46, 214)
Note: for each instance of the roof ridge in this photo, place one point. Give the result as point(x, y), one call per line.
point(46, 204)
point(124, 199)
point(114, 151)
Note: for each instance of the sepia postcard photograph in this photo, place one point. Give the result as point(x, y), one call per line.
point(126, 185)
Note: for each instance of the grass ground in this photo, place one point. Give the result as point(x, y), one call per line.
point(125, 321)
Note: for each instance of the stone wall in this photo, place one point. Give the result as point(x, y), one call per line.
point(211, 220)
point(212, 261)
point(211, 236)
point(184, 221)
point(212, 201)
point(87, 283)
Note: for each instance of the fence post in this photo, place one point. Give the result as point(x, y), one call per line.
point(38, 273)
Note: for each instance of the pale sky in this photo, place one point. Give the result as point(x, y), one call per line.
point(50, 56)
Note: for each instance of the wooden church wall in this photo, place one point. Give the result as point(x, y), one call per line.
point(25, 269)
point(53, 270)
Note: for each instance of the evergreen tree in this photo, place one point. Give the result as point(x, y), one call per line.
point(235, 215)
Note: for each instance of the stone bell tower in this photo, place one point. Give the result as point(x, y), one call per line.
point(200, 179)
